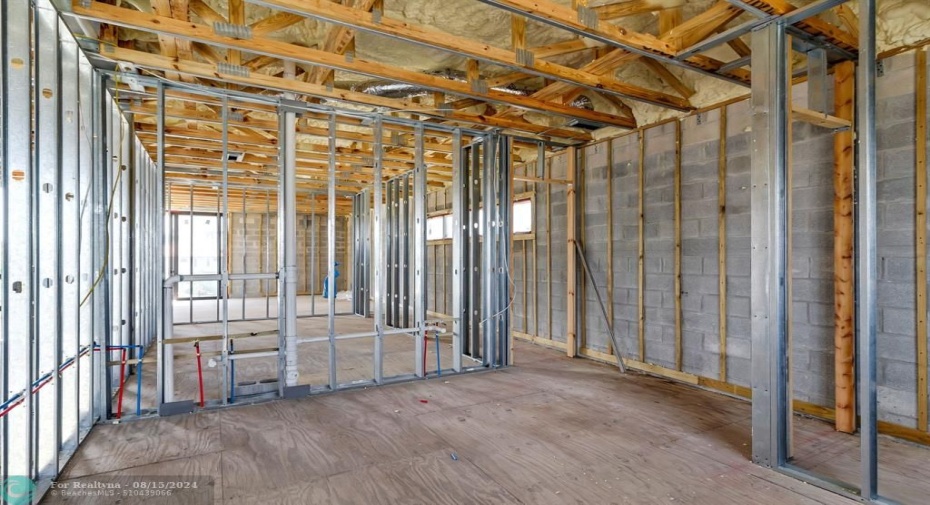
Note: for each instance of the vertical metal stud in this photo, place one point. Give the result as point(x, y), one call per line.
point(489, 265)
point(18, 178)
point(769, 250)
point(331, 252)
point(459, 231)
point(419, 247)
point(866, 266)
point(46, 238)
point(378, 259)
point(475, 225)
point(405, 271)
point(223, 253)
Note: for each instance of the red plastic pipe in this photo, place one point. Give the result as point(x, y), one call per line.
point(199, 372)
point(122, 383)
point(425, 341)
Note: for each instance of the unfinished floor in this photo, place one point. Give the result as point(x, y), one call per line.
point(549, 430)
point(354, 357)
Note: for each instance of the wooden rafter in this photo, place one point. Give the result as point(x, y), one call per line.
point(236, 9)
point(158, 24)
point(273, 23)
point(685, 34)
point(205, 12)
point(633, 7)
point(668, 77)
point(813, 25)
point(338, 40)
point(324, 9)
point(849, 19)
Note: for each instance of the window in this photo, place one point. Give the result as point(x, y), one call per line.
point(440, 227)
point(436, 227)
point(523, 217)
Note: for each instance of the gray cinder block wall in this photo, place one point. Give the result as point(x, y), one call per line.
point(897, 384)
point(812, 254)
point(812, 354)
point(253, 249)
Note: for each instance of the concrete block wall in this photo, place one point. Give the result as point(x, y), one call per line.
point(738, 222)
point(594, 185)
point(812, 265)
point(558, 166)
point(812, 359)
point(625, 175)
point(253, 248)
point(700, 302)
point(896, 348)
point(544, 286)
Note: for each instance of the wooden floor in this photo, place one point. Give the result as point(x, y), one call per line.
point(549, 430)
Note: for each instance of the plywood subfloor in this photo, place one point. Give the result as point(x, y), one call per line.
point(550, 430)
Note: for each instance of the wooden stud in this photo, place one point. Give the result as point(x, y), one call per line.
point(819, 118)
point(677, 259)
point(722, 242)
point(920, 89)
point(526, 310)
point(843, 251)
point(580, 237)
point(570, 274)
point(517, 31)
point(610, 239)
point(549, 246)
point(641, 270)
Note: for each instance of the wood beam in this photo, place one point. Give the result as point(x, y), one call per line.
point(208, 53)
point(813, 25)
point(565, 17)
point(843, 253)
point(211, 72)
point(275, 22)
point(701, 26)
point(849, 19)
point(334, 12)
point(571, 258)
point(158, 24)
point(339, 40)
point(205, 12)
point(722, 244)
point(632, 7)
point(669, 19)
point(236, 9)
point(920, 202)
point(517, 32)
point(641, 249)
point(668, 77)
point(819, 118)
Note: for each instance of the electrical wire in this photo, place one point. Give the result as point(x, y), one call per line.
point(119, 175)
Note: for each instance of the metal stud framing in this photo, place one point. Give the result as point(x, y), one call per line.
point(79, 272)
point(771, 396)
point(95, 276)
